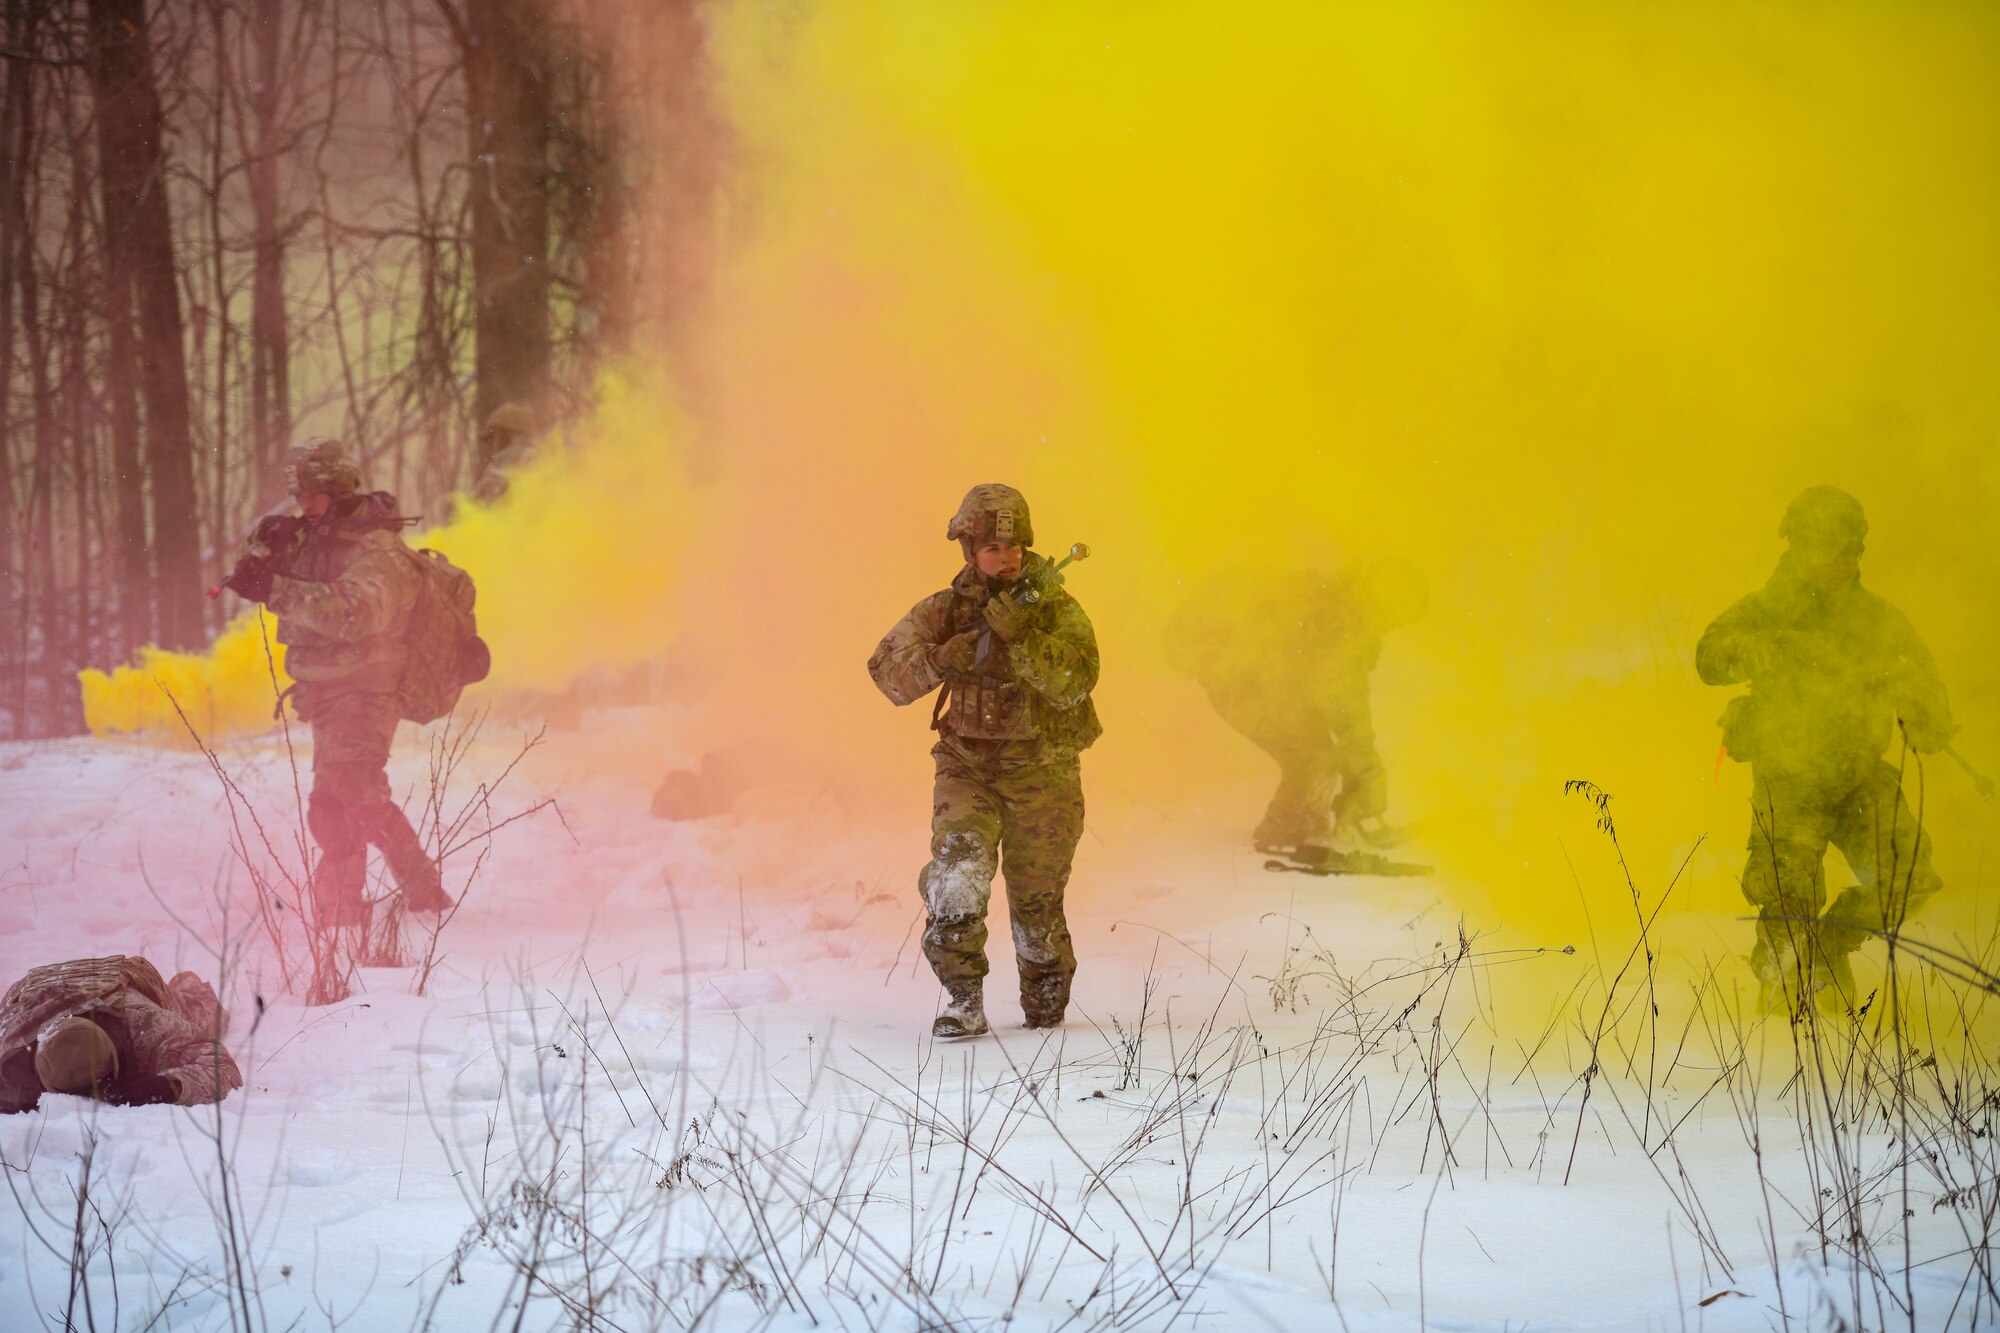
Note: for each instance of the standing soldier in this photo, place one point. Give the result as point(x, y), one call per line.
point(1014, 715)
point(342, 587)
point(1286, 658)
point(1832, 668)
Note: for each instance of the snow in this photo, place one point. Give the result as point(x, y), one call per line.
point(681, 1072)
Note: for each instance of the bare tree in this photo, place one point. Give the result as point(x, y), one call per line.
point(503, 44)
point(139, 250)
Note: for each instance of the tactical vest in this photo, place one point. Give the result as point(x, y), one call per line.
point(987, 705)
point(323, 555)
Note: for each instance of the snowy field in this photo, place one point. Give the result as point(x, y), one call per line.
point(677, 1075)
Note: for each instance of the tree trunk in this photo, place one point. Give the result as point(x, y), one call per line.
point(139, 242)
point(41, 633)
point(270, 345)
point(14, 111)
point(507, 103)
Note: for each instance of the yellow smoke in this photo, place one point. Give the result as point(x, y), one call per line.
point(228, 690)
point(575, 567)
point(1563, 301)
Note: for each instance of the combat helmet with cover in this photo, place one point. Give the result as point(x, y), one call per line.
point(990, 512)
point(73, 1054)
point(320, 463)
point(1824, 518)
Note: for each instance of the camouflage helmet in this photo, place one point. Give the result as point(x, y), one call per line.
point(991, 512)
point(1825, 518)
point(515, 418)
point(74, 1055)
point(319, 463)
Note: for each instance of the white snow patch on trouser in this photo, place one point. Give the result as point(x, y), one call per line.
point(1032, 950)
point(958, 883)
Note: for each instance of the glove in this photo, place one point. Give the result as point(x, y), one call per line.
point(143, 1090)
point(956, 653)
point(274, 532)
point(1008, 617)
point(250, 580)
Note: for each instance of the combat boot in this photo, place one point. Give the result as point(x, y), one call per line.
point(1285, 829)
point(415, 873)
point(965, 1016)
point(1044, 1000)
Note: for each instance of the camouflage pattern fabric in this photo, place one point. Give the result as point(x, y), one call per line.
point(351, 805)
point(1794, 818)
point(1008, 795)
point(169, 1034)
point(1052, 666)
point(1023, 822)
point(343, 595)
point(1285, 657)
point(1830, 672)
point(343, 606)
point(320, 463)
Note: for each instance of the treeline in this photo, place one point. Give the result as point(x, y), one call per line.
point(226, 221)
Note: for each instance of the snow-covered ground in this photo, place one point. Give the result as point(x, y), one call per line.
point(679, 1074)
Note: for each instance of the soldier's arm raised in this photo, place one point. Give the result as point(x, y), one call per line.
point(364, 601)
point(903, 665)
point(1057, 658)
point(1729, 650)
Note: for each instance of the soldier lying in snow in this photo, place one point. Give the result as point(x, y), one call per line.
point(109, 1028)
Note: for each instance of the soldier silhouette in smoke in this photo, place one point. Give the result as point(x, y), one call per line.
point(1286, 657)
point(1838, 681)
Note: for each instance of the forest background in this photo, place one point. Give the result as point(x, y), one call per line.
point(1565, 303)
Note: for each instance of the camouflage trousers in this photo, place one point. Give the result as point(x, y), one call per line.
point(1793, 820)
point(1321, 783)
point(351, 806)
point(1023, 822)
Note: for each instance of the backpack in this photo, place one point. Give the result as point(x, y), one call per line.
point(442, 650)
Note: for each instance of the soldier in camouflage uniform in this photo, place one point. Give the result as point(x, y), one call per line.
point(109, 1028)
point(342, 587)
point(1008, 794)
point(1832, 668)
point(1285, 657)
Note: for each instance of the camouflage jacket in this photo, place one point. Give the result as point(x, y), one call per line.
point(1829, 674)
point(1292, 637)
point(1030, 701)
point(344, 590)
point(168, 1034)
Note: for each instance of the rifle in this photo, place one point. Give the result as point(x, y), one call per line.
point(271, 540)
point(1027, 590)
